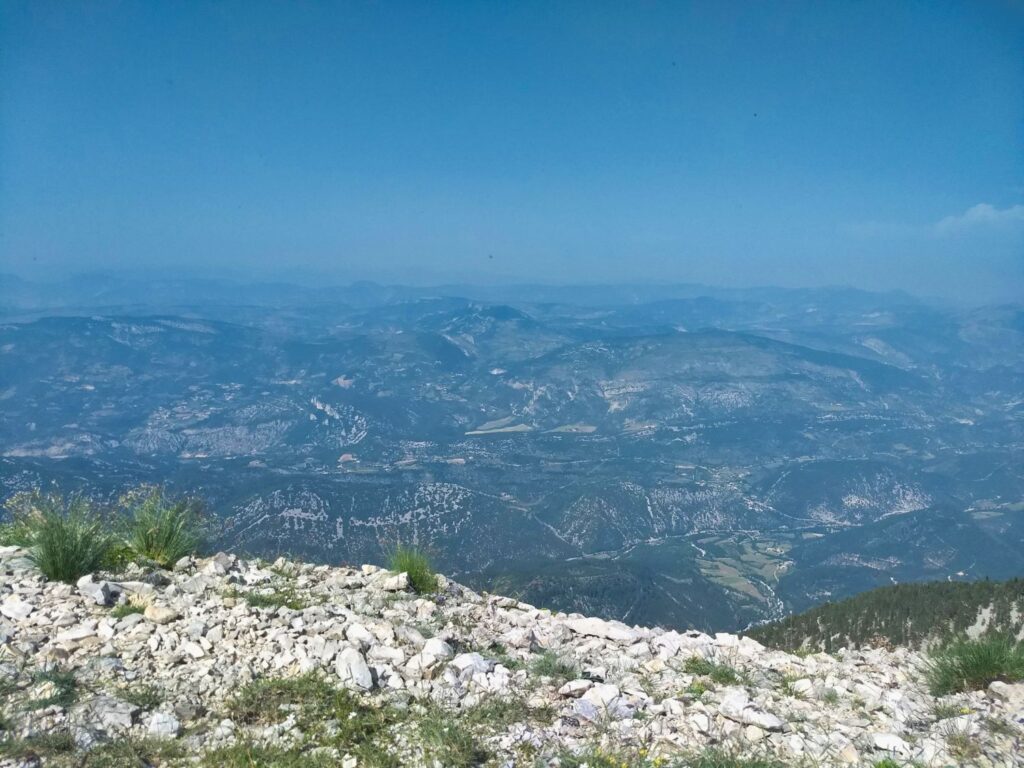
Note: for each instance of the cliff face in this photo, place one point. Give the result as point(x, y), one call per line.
point(227, 661)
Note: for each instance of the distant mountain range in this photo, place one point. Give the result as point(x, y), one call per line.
point(670, 455)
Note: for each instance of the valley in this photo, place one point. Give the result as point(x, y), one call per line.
point(675, 456)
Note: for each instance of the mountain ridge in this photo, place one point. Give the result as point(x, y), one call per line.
point(228, 661)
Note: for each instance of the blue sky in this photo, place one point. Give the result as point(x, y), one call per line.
point(876, 144)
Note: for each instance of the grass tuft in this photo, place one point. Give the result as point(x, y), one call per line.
point(447, 741)
point(550, 664)
point(248, 755)
point(970, 665)
point(127, 609)
point(414, 562)
point(354, 726)
point(722, 674)
point(65, 538)
point(122, 753)
point(639, 758)
point(33, 750)
point(143, 696)
point(502, 711)
point(282, 596)
point(65, 688)
point(161, 529)
point(962, 746)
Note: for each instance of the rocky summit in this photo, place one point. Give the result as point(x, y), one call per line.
point(228, 661)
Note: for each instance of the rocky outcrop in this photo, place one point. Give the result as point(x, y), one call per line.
point(202, 633)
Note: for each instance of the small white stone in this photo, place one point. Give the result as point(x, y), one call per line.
point(160, 614)
point(438, 648)
point(353, 670)
point(164, 725)
point(16, 608)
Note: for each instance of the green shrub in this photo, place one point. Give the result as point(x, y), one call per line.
point(162, 529)
point(65, 538)
point(970, 665)
point(416, 564)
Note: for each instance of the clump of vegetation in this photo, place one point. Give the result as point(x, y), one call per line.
point(550, 664)
point(831, 696)
point(715, 758)
point(62, 684)
point(502, 711)
point(162, 529)
point(356, 727)
point(970, 665)
point(121, 610)
point(944, 711)
point(786, 687)
point(639, 758)
point(722, 674)
point(143, 696)
point(500, 654)
point(416, 564)
point(37, 747)
point(962, 746)
point(697, 688)
point(447, 741)
point(132, 752)
point(249, 755)
point(281, 596)
point(999, 727)
point(65, 537)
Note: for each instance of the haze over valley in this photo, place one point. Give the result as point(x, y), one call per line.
point(675, 455)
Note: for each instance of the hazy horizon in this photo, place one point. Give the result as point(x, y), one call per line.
point(869, 145)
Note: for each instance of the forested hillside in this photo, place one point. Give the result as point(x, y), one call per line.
point(912, 615)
